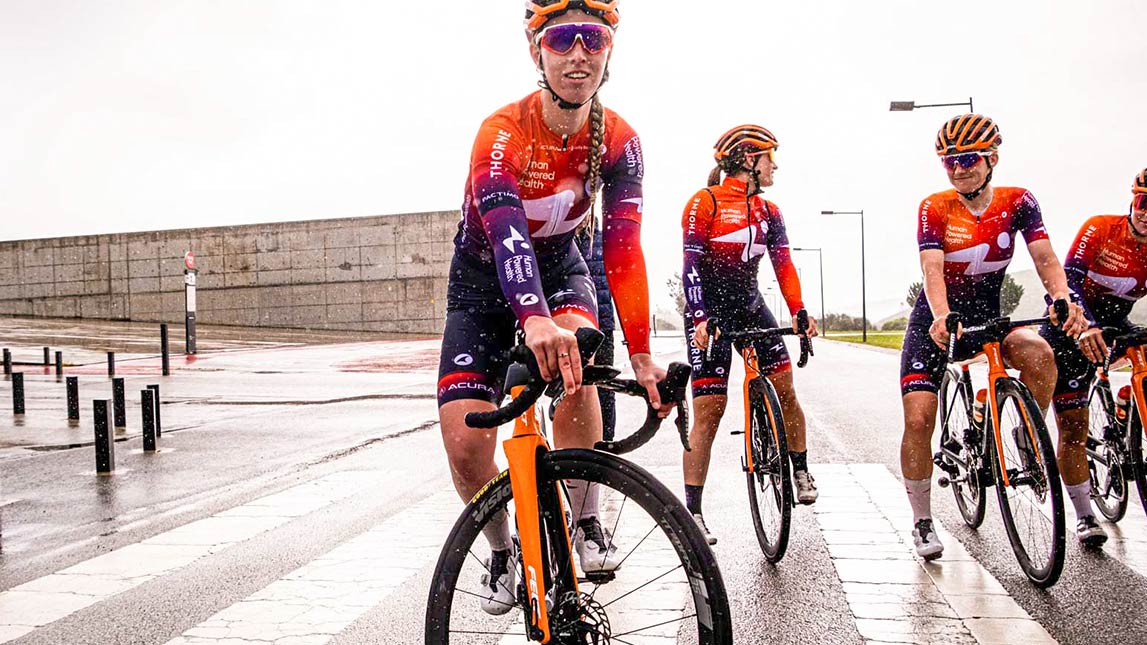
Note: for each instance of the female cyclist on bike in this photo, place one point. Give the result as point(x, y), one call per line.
point(967, 236)
point(1107, 267)
point(727, 227)
point(535, 170)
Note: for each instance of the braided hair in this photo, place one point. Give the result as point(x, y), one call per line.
point(593, 177)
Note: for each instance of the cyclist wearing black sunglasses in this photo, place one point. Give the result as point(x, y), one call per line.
point(727, 228)
point(1107, 266)
point(535, 170)
point(967, 237)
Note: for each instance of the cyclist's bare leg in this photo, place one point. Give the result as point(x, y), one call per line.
point(577, 424)
point(470, 452)
point(1073, 445)
point(916, 445)
point(707, 413)
point(1024, 350)
point(791, 410)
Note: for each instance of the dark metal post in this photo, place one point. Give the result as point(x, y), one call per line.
point(47, 357)
point(163, 349)
point(148, 413)
point(158, 417)
point(863, 296)
point(59, 365)
point(73, 398)
point(111, 364)
point(105, 443)
point(18, 393)
point(118, 407)
point(190, 275)
point(7, 362)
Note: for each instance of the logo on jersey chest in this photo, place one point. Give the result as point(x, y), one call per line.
point(751, 237)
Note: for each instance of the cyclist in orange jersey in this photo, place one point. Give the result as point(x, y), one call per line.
point(535, 170)
point(1107, 266)
point(727, 228)
point(967, 236)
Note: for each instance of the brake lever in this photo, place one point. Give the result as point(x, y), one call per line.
point(682, 423)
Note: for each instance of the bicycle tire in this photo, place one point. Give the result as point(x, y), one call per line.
point(966, 484)
point(1105, 463)
point(698, 576)
point(1137, 467)
point(770, 485)
point(1034, 496)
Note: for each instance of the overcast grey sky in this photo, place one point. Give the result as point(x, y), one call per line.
point(137, 115)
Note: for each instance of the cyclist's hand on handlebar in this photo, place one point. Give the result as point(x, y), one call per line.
point(939, 332)
point(1076, 322)
point(1092, 345)
point(701, 334)
point(556, 351)
point(648, 374)
point(812, 328)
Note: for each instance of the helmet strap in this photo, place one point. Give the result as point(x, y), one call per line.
point(987, 180)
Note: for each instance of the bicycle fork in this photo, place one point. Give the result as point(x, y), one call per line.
point(524, 452)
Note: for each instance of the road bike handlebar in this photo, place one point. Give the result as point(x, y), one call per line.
point(997, 328)
point(671, 390)
point(716, 329)
point(1119, 340)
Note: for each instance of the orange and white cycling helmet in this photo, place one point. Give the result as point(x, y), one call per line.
point(742, 142)
point(538, 12)
point(967, 133)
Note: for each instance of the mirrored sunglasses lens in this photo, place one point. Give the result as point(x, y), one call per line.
point(1139, 203)
point(560, 39)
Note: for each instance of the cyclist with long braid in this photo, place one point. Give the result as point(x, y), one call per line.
point(1107, 266)
point(535, 171)
point(727, 228)
point(967, 237)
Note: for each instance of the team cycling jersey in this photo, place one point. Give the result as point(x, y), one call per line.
point(526, 195)
point(724, 239)
point(977, 248)
point(1107, 267)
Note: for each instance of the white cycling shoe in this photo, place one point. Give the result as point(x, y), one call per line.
point(498, 582)
point(595, 548)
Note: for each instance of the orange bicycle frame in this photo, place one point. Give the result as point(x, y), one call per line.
point(524, 450)
point(753, 372)
point(996, 371)
point(1138, 357)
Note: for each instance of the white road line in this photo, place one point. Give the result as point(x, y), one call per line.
point(312, 604)
point(895, 597)
point(39, 602)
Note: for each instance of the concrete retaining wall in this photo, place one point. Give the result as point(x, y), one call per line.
point(385, 273)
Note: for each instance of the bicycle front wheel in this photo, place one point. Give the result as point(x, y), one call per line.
point(960, 454)
point(770, 488)
point(668, 586)
point(1104, 458)
point(1031, 503)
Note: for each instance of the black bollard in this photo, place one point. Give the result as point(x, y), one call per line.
point(147, 409)
point(47, 356)
point(163, 349)
point(111, 364)
point(18, 393)
point(7, 363)
point(158, 416)
point(105, 443)
point(73, 398)
point(119, 408)
point(59, 365)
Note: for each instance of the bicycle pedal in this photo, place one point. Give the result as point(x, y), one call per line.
point(943, 481)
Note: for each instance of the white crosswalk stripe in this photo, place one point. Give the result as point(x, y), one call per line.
point(861, 515)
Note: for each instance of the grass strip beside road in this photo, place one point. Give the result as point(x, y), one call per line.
point(889, 339)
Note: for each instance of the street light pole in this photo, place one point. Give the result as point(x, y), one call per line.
point(820, 274)
point(863, 282)
point(908, 106)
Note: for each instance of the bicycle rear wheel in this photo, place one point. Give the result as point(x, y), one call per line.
point(959, 449)
point(1031, 503)
point(1104, 459)
point(1137, 468)
point(770, 488)
point(667, 587)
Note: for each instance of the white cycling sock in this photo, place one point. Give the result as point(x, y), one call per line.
point(497, 532)
point(1080, 495)
point(583, 498)
point(920, 497)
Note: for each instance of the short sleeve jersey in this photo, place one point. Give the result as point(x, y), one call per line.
point(724, 237)
point(527, 193)
point(977, 249)
point(1107, 268)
